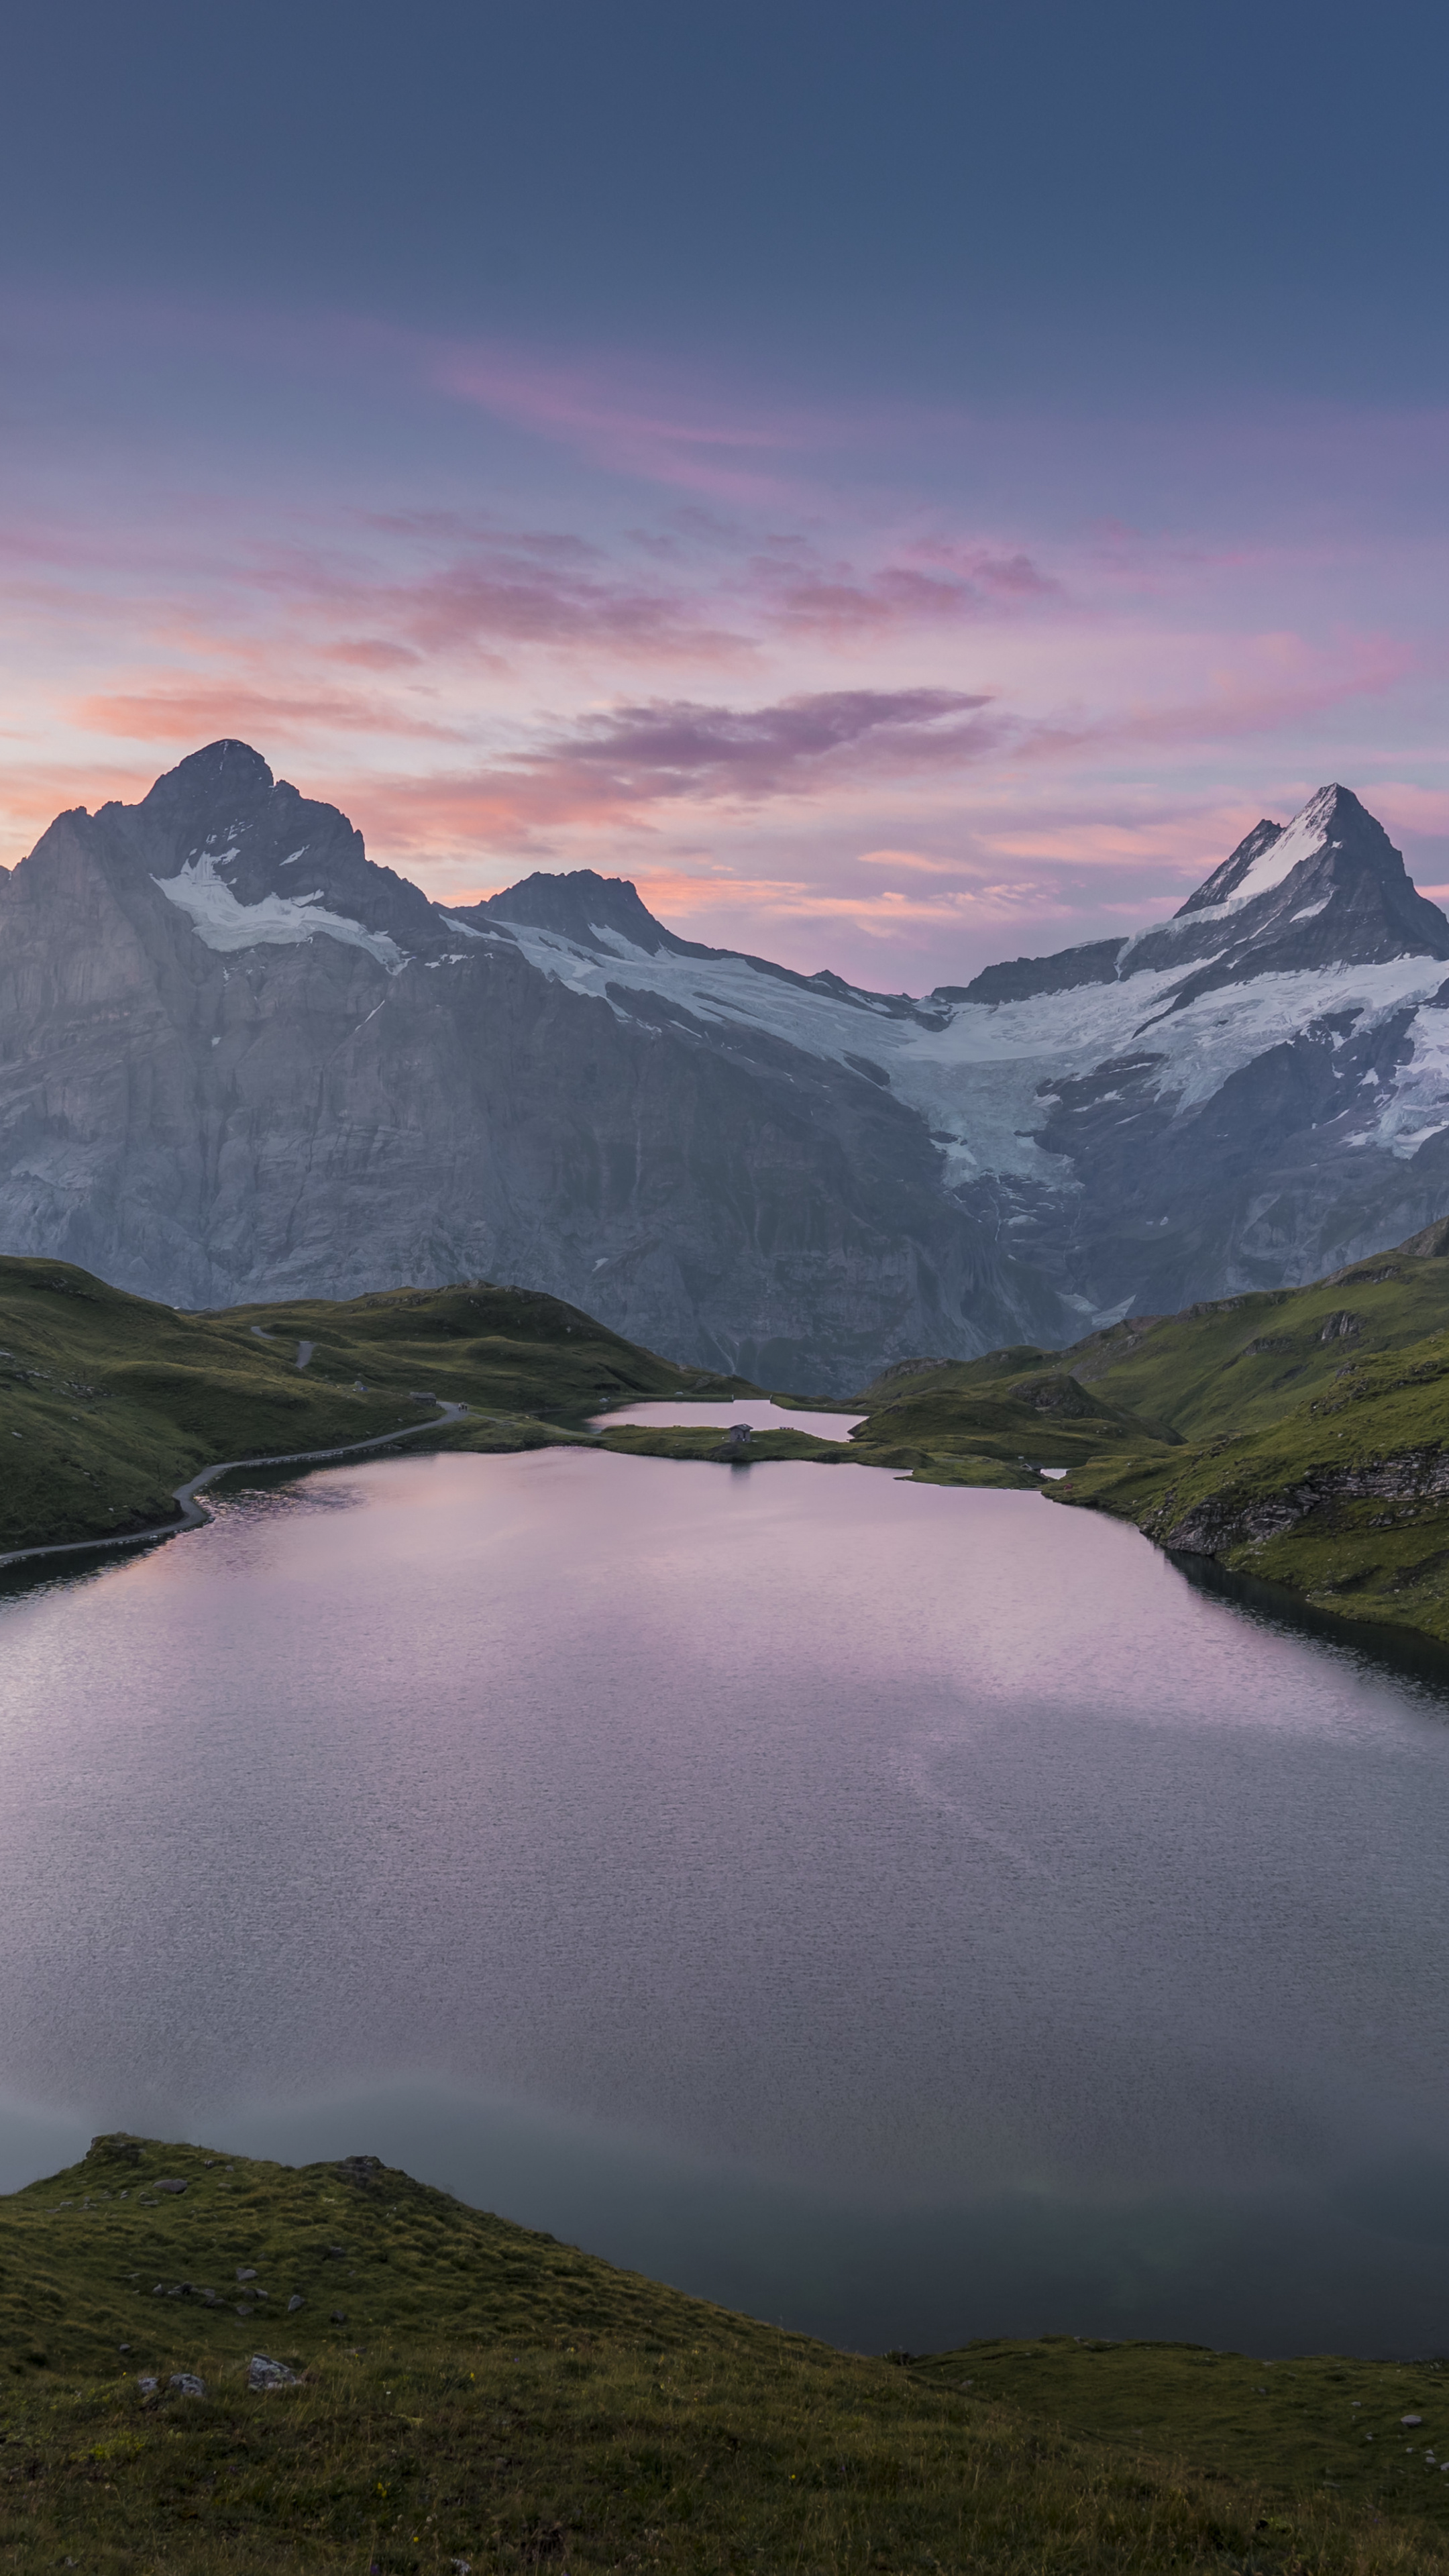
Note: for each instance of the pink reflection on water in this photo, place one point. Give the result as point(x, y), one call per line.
point(669, 1414)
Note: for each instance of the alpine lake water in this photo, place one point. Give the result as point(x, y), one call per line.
point(908, 1914)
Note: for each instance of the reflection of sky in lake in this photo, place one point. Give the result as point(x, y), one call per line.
point(759, 1413)
point(914, 1912)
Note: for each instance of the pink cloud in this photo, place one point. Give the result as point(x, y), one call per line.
point(912, 860)
point(1403, 807)
point(948, 585)
point(373, 653)
point(1174, 841)
point(498, 597)
point(669, 748)
point(795, 673)
point(617, 766)
point(487, 593)
point(205, 713)
point(33, 793)
point(1278, 682)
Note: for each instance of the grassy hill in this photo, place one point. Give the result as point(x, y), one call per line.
point(466, 2393)
point(107, 1402)
point(1299, 1435)
point(998, 1420)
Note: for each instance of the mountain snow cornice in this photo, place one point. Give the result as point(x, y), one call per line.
point(238, 1059)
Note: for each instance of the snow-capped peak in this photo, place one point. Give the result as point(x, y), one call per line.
point(1269, 854)
point(1332, 818)
point(1303, 838)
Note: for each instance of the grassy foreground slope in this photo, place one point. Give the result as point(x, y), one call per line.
point(1300, 1435)
point(469, 2393)
point(107, 1401)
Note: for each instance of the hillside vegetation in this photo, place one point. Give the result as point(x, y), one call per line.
point(107, 1401)
point(452, 2392)
point(1300, 1435)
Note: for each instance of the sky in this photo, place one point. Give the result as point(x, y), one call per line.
point(908, 485)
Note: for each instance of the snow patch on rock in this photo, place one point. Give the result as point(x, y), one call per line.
point(278, 921)
point(987, 1076)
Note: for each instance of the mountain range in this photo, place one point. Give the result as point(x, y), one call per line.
point(240, 1060)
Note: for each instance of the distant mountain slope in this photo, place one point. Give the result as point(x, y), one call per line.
point(239, 1060)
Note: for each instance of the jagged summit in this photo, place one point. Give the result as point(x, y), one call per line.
point(227, 838)
point(227, 768)
point(1327, 889)
point(583, 906)
point(1334, 832)
point(253, 862)
point(226, 784)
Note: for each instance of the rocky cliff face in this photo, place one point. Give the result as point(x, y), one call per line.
point(237, 1060)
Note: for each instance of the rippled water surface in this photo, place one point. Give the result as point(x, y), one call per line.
point(906, 1912)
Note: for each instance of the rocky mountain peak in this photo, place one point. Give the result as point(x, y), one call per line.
point(251, 862)
point(581, 906)
point(220, 769)
point(1327, 889)
point(1333, 826)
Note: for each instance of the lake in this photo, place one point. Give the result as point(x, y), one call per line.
point(906, 1913)
point(757, 1411)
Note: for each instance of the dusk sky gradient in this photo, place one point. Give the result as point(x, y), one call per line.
point(908, 485)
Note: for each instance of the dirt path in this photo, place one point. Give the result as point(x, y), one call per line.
point(192, 1515)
